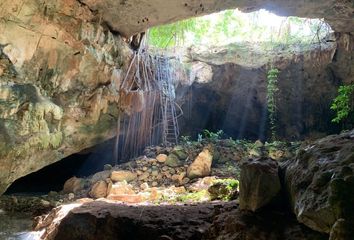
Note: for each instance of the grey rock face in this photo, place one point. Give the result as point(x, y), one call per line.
point(259, 183)
point(320, 184)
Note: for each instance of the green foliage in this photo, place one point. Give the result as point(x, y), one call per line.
point(230, 183)
point(199, 196)
point(342, 103)
point(200, 138)
point(224, 189)
point(186, 140)
point(171, 34)
point(213, 136)
point(272, 88)
point(234, 26)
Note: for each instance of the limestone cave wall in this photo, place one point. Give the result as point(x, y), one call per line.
point(59, 71)
point(228, 89)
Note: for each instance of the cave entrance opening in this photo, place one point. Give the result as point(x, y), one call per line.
point(229, 56)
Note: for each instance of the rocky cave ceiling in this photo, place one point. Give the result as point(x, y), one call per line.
point(133, 16)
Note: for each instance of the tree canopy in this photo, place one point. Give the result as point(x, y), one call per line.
point(234, 26)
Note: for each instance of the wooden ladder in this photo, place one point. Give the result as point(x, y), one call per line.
point(168, 105)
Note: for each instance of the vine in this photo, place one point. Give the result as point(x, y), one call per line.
point(342, 103)
point(272, 88)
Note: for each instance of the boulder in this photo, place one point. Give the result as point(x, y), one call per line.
point(259, 183)
point(320, 184)
point(111, 221)
point(173, 161)
point(73, 185)
point(100, 176)
point(201, 166)
point(120, 188)
point(180, 152)
point(123, 192)
point(99, 189)
point(342, 230)
point(122, 175)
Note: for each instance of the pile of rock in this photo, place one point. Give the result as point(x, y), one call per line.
point(145, 179)
point(163, 171)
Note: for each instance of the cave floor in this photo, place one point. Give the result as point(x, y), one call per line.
point(156, 199)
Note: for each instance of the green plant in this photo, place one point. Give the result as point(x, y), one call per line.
point(213, 136)
point(169, 35)
point(234, 26)
point(272, 88)
point(342, 104)
point(186, 140)
point(199, 196)
point(224, 189)
point(200, 138)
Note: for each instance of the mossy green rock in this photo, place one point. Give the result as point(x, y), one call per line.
point(173, 161)
point(180, 152)
point(224, 189)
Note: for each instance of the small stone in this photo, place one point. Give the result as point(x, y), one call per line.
point(154, 194)
point(175, 177)
point(45, 203)
point(151, 161)
point(255, 153)
point(144, 176)
point(202, 184)
point(107, 167)
point(155, 173)
point(145, 169)
point(179, 190)
point(154, 184)
point(71, 196)
point(121, 188)
point(164, 168)
point(185, 181)
point(139, 172)
point(258, 144)
point(53, 194)
point(144, 186)
point(161, 158)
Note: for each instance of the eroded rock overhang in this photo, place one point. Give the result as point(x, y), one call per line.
point(130, 17)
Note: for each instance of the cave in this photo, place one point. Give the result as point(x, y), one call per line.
point(174, 120)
